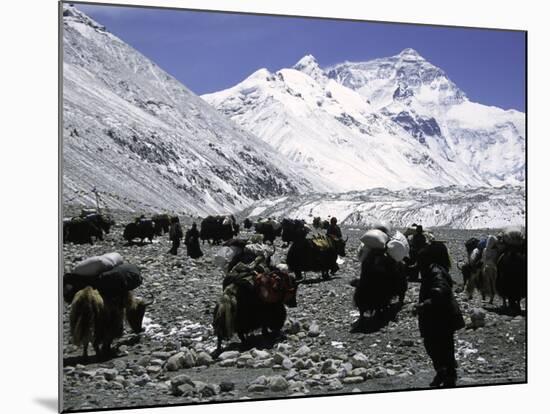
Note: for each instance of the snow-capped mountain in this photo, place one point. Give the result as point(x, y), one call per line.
point(145, 141)
point(451, 207)
point(395, 122)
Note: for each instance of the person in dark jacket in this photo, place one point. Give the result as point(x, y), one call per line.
point(175, 234)
point(333, 229)
point(417, 242)
point(439, 315)
point(192, 242)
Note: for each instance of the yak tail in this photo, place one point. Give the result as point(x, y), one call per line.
point(85, 309)
point(225, 313)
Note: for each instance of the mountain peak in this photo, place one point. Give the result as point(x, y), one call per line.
point(410, 54)
point(309, 65)
point(307, 61)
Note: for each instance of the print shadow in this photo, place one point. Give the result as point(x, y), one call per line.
point(377, 321)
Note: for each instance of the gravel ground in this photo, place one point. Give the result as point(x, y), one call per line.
point(170, 363)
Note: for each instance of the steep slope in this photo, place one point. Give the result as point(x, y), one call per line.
point(393, 123)
point(145, 141)
point(452, 207)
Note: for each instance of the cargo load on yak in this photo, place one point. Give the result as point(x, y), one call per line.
point(513, 236)
point(396, 245)
point(321, 242)
point(106, 273)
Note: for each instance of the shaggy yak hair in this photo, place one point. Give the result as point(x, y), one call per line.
point(99, 319)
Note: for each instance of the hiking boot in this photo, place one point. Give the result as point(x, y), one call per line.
point(438, 379)
point(449, 380)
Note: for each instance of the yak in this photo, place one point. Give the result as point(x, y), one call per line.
point(316, 255)
point(511, 281)
point(161, 224)
point(140, 229)
point(242, 310)
point(293, 230)
point(382, 279)
point(80, 231)
point(270, 230)
point(218, 228)
point(247, 223)
point(98, 318)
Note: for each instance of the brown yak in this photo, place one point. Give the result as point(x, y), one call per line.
point(99, 319)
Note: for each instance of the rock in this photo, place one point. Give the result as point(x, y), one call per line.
point(144, 360)
point(353, 380)
point(390, 372)
point(293, 327)
point(228, 362)
point(292, 373)
point(138, 370)
point(278, 358)
point(262, 380)
point(180, 380)
point(287, 363)
point(328, 367)
point(184, 359)
point(335, 385)
point(303, 351)
point(359, 360)
point(260, 354)
point(161, 355)
point(257, 387)
point(227, 386)
point(477, 318)
point(142, 380)
point(277, 383)
point(315, 357)
point(153, 369)
point(313, 330)
point(117, 385)
point(359, 372)
point(110, 374)
point(228, 355)
point(204, 358)
point(185, 390)
point(282, 348)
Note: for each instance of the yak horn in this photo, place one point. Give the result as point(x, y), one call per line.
point(345, 241)
point(152, 301)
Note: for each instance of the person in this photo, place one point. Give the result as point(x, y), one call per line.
point(439, 315)
point(333, 229)
point(192, 242)
point(175, 234)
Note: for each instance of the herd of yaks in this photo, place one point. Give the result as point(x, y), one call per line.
point(241, 309)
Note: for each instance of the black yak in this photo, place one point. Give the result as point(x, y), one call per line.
point(244, 308)
point(269, 229)
point(80, 231)
point(381, 280)
point(247, 223)
point(293, 230)
point(161, 224)
point(99, 319)
point(140, 229)
point(218, 228)
point(511, 281)
point(315, 255)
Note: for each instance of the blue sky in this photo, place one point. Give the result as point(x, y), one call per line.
point(212, 51)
